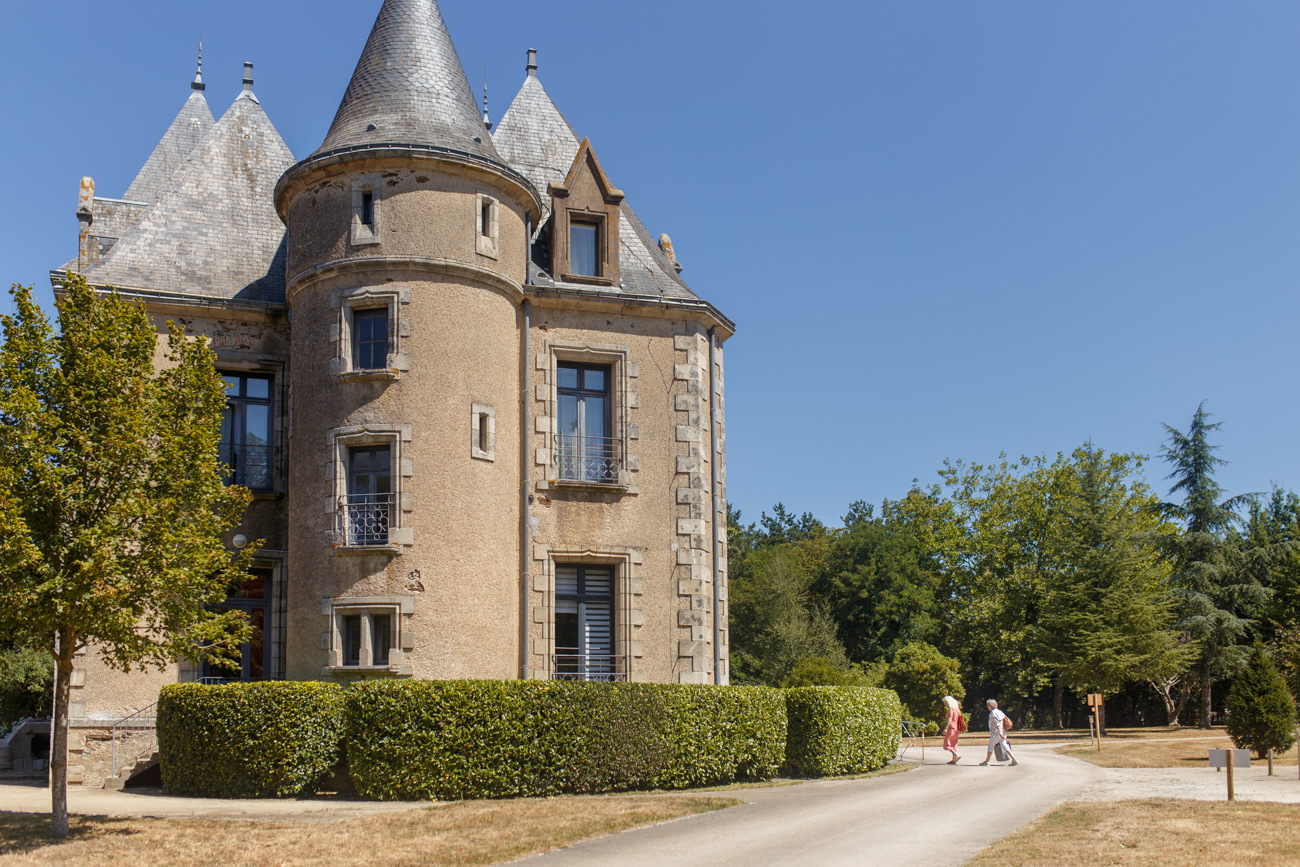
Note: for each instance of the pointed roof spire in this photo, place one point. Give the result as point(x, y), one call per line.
point(190, 126)
point(487, 120)
point(409, 88)
point(197, 83)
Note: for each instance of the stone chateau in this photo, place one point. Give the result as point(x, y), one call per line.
point(479, 409)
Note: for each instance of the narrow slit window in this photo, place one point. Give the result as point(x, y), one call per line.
point(485, 217)
point(483, 439)
point(368, 208)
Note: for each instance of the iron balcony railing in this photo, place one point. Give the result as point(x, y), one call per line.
point(250, 466)
point(588, 459)
point(589, 666)
point(365, 519)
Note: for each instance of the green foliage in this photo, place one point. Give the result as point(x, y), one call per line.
point(816, 671)
point(1219, 591)
point(775, 621)
point(841, 730)
point(921, 676)
point(26, 676)
point(249, 740)
point(454, 740)
point(113, 502)
point(1261, 713)
point(1107, 619)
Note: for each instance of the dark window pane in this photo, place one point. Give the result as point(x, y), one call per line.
point(256, 648)
point(567, 375)
point(367, 209)
point(370, 337)
point(352, 639)
point(232, 384)
point(381, 636)
point(593, 379)
point(582, 249)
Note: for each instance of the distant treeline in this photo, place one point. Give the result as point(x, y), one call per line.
point(1034, 581)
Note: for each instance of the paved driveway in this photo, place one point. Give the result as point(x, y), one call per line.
point(936, 814)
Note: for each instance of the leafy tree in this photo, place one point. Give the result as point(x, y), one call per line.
point(1272, 535)
point(880, 586)
point(922, 676)
point(112, 501)
point(1107, 616)
point(1218, 595)
point(775, 621)
point(1261, 712)
point(26, 677)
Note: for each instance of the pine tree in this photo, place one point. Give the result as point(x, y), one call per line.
point(1218, 596)
point(1261, 714)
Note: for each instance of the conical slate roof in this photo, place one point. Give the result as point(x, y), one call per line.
point(409, 88)
point(212, 229)
point(537, 141)
point(535, 138)
point(190, 126)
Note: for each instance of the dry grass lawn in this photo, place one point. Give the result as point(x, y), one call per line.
point(1160, 748)
point(465, 833)
point(1153, 832)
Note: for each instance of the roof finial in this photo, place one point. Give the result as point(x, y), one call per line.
point(487, 121)
point(248, 77)
point(531, 69)
point(197, 83)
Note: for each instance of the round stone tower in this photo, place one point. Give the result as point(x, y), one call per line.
point(407, 248)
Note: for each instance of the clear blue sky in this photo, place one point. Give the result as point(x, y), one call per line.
point(943, 229)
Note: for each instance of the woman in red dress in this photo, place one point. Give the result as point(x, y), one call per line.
point(953, 728)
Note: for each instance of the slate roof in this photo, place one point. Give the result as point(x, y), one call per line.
point(190, 126)
point(212, 229)
point(536, 140)
point(409, 88)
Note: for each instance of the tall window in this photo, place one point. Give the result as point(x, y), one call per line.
point(252, 595)
point(584, 624)
point(368, 505)
point(586, 448)
point(370, 339)
point(246, 432)
point(584, 249)
point(367, 637)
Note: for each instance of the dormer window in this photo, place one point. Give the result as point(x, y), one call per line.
point(585, 223)
point(584, 246)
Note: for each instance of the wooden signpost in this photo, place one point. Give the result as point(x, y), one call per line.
point(1230, 759)
point(1095, 702)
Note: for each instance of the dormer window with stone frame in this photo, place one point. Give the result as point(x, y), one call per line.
point(585, 223)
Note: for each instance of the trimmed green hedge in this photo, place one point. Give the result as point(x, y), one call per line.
point(838, 730)
point(491, 739)
point(249, 740)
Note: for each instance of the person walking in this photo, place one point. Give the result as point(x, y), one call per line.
point(956, 725)
point(998, 725)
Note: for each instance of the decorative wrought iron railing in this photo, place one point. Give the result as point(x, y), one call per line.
point(134, 737)
point(589, 666)
point(588, 459)
point(250, 466)
point(365, 519)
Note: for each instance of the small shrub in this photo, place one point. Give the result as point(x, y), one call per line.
point(922, 676)
point(249, 740)
point(1261, 715)
point(453, 740)
point(836, 730)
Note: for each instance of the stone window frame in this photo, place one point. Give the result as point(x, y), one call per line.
point(401, 641)
point(629, 616)
point(241, 364)
point(347, 301)
point(363, 235)
point(622, 401)
point(340, 441)
point(487, 238)
point(483, 432)
point(604, 209)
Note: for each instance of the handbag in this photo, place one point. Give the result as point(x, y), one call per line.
point(1000, 752)
point(1007, 725)
point(961, 723)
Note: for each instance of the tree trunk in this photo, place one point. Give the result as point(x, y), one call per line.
point(59, 738)
point(1205, 701)
point(1058, 699)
